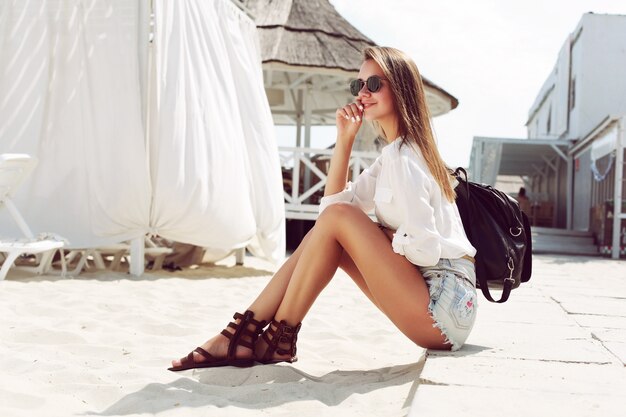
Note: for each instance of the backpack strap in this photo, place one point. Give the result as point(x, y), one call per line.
point(506, 289)
point(457, 174)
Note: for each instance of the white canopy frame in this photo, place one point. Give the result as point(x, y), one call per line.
point(491, 157)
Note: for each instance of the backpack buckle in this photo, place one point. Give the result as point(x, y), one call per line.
point(511, 266)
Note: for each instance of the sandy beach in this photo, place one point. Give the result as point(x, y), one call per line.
point(100, 344)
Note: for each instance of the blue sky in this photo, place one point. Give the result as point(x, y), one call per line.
point(492, 55)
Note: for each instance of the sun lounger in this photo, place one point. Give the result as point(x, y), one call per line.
point(114, 254)
point(14, 168)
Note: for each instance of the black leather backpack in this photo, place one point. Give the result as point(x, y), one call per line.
point(499, 230)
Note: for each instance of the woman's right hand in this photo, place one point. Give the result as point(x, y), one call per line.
point(348, 120)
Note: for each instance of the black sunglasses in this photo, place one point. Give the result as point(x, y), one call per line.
point(373, 83)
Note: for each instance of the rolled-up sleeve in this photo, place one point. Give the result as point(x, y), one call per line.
point(360, 192)
point(416, 238)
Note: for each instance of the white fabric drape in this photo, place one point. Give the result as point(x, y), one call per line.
point(215, 167)
point(267, 200)
point(71, 94)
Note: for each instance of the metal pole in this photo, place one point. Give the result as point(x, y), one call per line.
point(570, 190)
point(619, 178)
point(557, 199)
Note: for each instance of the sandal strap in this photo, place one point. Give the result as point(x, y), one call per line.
point(249, 316)
point(189, 359)
point(203, 353)
point(240, 330)
point(241, 341)
point(283, 334)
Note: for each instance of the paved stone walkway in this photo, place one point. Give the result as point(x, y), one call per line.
point(556, 348)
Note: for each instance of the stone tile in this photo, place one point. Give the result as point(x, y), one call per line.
point(437, 400)
point(533, 341)
point(590, 289)
point(537, 375)
point(539, 310)
point(619, 350)
point(609, 335)
point(575, 304)
point(599, 322)
point(557, 347)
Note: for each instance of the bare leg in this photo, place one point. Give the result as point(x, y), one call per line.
point(348, 265)
point(390, 280)
point(329, 257)
point(267, 302)
point(264, 306)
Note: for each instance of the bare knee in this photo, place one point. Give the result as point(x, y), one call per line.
point(336, 214)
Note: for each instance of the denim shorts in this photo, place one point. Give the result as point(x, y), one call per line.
point(453, 300)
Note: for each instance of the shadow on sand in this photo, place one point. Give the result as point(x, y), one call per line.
point(262, 387)
point(205, 271)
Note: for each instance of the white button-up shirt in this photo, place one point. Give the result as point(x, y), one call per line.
point(407, 198)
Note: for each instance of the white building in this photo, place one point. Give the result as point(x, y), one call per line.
point(587, 83)
point(572, 159)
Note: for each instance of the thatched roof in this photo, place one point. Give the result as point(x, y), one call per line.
point(307, 33)
point(310, 33)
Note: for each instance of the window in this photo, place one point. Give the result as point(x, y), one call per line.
point(549, 122)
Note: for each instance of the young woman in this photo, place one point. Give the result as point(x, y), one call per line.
point(416, 264)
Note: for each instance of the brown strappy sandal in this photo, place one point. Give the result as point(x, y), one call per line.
point(236, 339)
point(283, 335)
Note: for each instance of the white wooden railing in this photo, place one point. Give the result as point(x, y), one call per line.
point(306, 161)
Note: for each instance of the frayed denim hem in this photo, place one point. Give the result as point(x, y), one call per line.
point(436, 323)
point(453, 299)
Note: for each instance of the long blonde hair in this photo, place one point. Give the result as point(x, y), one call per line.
point(410, 104)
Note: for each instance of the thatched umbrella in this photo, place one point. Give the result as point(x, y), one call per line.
point(309, 53)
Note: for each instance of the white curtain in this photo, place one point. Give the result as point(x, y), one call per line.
point(244, 54)
point(70, 94)
point(215, 168)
